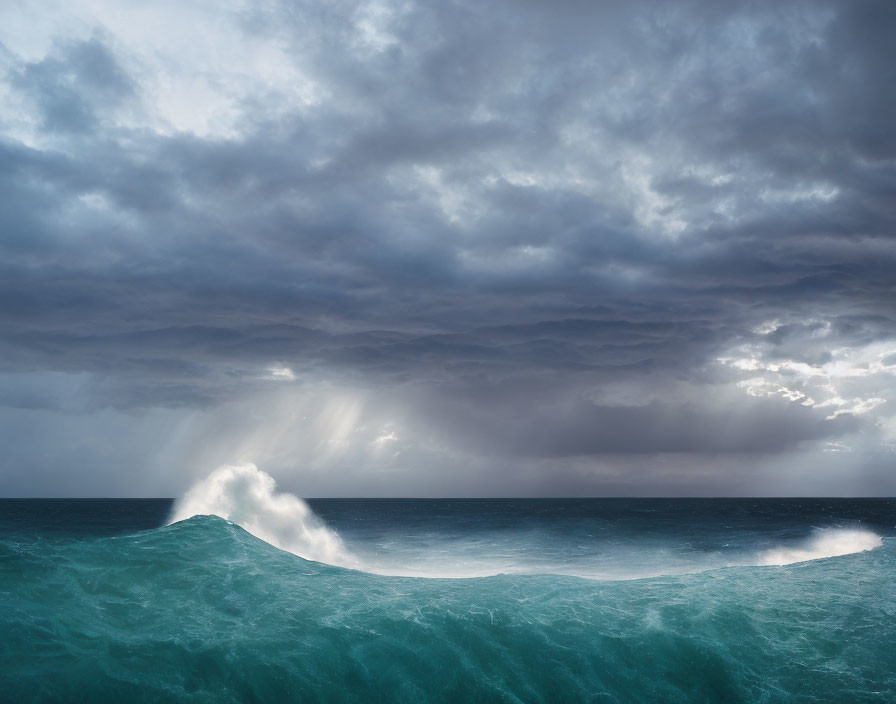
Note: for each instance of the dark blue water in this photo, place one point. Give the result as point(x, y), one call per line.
point(603, 600)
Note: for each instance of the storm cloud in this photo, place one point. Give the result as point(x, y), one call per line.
point(449, 248)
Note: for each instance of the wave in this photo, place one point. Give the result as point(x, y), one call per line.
point(247, 496)
point(823, 543)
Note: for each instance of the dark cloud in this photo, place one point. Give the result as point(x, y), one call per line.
point(72, 87)
point(447, 201)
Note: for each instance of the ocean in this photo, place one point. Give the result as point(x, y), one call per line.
point(489, 600)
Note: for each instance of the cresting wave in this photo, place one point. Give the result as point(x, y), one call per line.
point(247, 496)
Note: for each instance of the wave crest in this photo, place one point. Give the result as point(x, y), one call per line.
point(824, 542)
point(247, 496)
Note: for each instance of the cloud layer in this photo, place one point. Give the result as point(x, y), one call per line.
point(449, 248)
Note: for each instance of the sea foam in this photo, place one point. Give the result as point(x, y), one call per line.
point(247, 496)
point(824, 542)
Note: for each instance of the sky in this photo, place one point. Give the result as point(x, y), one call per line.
point(449, 248)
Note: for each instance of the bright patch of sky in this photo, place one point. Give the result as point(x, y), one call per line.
point(852, 380)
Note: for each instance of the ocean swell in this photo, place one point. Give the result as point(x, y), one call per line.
point(203, 612)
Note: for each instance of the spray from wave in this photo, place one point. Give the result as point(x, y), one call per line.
point(247, 496)
point(824, 542)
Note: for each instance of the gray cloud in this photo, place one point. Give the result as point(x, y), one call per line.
point(530, 231)
point(73, 86)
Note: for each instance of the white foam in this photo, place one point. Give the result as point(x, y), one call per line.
point(625, 565)
point(248, 497)
point(824, 542)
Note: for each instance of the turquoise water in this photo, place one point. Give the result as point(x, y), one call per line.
point(202, 611)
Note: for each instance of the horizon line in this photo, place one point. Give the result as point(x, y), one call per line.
point(443, 498)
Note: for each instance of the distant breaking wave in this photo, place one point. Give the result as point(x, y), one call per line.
point(824, 542)
point(247, 496)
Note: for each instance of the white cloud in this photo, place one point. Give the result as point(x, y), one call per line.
point(836, 447)
point(281, 373)
point(767, 328)
point(854, 380)
point(858, 406)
